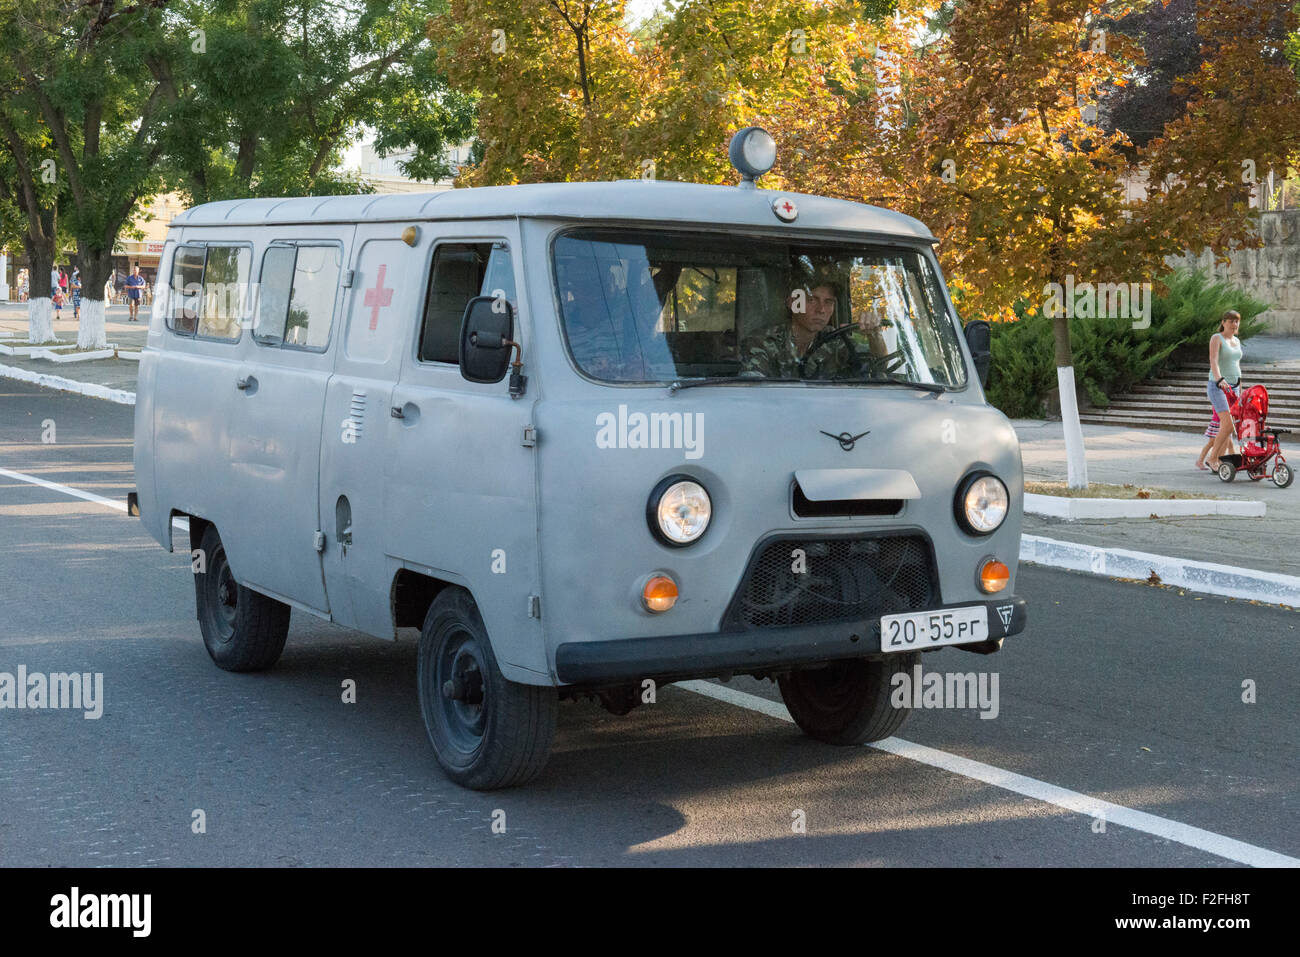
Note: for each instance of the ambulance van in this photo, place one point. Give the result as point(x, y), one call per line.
point(589, 438)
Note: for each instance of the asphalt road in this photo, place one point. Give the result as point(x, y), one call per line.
point(1118, 692)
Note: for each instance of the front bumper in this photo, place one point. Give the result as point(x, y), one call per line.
point(677, 657)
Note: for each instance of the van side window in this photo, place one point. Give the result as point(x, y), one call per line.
point(296, 296)
point(461, 271)
point(187, 289)
point(209, 290)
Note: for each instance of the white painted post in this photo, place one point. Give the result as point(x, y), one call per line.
point(4, 276)
point(1076, 463)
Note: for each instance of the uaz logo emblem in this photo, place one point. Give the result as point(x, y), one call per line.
point(846, 439)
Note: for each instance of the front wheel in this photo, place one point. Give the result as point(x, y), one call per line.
point(1282, 475)
point(848, 702)
point(487, 732)
point(242, 629)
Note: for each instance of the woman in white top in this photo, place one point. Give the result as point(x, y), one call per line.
point(1225, 370)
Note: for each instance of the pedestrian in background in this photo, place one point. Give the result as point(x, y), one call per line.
point(134, 291)
point(75, 286)
point(1225, 372)
point(1211, 433)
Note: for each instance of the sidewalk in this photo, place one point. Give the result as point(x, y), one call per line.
point(1120, 455)
point(111, 373)
point(1156, 458)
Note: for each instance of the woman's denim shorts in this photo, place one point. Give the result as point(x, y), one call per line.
point(1217, 398)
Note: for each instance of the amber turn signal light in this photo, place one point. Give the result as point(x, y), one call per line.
point(994, 576)
point(659, 593)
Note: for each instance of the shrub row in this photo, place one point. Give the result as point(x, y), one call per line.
point(1109, 354)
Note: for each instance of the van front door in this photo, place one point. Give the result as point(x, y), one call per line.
point(382, 305)
point(460, 476)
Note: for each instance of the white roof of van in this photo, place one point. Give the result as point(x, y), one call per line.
point(645, 200)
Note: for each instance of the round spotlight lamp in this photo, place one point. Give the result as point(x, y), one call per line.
point(753, 153)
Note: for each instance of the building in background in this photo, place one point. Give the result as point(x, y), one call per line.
point(384, 173)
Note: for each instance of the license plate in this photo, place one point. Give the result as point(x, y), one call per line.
point(930, 629)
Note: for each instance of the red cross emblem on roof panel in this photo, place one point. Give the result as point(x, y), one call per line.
point(378, 297)
point(785, 209)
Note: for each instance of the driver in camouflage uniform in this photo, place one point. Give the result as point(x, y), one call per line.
point(778, 353)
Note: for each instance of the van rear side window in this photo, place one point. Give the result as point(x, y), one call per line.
point(209, 290)
point(296, 295)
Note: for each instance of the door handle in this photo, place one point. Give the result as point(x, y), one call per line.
point(396, 412)
point(245, 382)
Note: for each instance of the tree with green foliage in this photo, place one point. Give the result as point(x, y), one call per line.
point(268, 93)
point(86, 70)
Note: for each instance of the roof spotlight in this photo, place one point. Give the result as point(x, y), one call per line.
point(753, 153)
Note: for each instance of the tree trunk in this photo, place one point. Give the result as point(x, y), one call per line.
point(40, 310)
point(40, 320)
point(96, 267)
point(1076, 461)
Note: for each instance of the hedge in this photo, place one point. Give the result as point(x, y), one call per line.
point(1109, 354)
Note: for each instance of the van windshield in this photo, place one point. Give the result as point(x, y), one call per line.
point(642, 306)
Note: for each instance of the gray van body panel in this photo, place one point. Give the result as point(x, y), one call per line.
point(451, 485)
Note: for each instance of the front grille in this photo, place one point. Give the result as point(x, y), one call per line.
point(800, 581)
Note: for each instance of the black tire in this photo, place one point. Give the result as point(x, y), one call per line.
point(1282, 474)
point(242, 630)
point(487, 732)
point(1227, 471)
point(848, 701)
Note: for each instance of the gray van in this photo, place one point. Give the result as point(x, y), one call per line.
point(589, 438)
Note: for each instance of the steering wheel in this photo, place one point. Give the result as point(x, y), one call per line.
point(873, 365)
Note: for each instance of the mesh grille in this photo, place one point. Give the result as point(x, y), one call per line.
point(804, 582)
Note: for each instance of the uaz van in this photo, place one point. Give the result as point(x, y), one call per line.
point(589, 438)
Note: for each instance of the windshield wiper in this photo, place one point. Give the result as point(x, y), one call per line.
point(934, 387)
point(725, 380)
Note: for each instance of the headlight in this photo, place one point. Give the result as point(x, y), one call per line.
point(679, 510)
point(982, 503)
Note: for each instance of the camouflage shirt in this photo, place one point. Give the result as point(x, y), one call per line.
point(775, 356)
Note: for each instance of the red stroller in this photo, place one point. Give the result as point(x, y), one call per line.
point(1261, 455)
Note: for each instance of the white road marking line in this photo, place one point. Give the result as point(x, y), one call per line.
point(65, 489)
point(1194, 837)
point(180, 523)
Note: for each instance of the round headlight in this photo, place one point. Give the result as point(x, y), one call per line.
point(679, 510)
point(982, 504)
point(753, 151)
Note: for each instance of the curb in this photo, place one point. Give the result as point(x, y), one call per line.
point(1208, 578)
point(91, 389)
point(1074, 509)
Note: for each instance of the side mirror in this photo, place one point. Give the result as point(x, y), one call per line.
point(486, 333)
point(979, 338)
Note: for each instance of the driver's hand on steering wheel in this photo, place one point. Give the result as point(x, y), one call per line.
point(869, 322)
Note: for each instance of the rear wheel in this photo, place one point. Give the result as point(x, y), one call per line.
point(847, 702)
point(1282, 475)
point(1227, 471)
point(487, 732)
point(242, 630)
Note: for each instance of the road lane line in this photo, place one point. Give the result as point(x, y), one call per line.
point(181, 524)
point(1194, 837)
point(65, 489)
